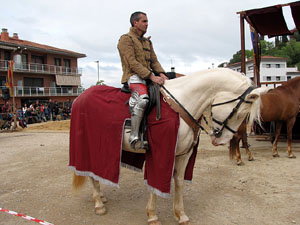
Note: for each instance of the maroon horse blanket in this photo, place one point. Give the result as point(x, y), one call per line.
point(97, 119)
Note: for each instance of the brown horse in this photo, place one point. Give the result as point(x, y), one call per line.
point(280, 105)
point(234, 148)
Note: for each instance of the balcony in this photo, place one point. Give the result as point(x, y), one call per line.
point(21, 91)
point(41, 68)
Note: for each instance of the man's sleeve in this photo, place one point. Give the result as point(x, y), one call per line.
point(126, 50)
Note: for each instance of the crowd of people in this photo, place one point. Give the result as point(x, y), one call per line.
point(37, 112)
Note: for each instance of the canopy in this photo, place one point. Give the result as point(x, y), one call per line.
point(270, 20)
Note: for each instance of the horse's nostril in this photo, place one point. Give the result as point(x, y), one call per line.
point(217, 132)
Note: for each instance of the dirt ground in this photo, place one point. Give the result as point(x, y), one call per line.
point(35, 180)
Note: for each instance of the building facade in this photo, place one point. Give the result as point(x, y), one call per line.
point(41, 72)
point(273, 70)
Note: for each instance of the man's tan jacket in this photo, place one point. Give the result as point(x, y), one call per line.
point(137, 56)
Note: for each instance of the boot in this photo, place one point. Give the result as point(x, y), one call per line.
point(135, 127)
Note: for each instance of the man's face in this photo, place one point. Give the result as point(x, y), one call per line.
point(142, 24)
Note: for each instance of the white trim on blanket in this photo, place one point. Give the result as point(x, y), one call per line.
point(91, 174)
point(156, 191)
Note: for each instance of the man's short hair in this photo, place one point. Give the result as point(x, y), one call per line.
point(136, 17)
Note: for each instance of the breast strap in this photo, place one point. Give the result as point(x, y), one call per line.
point(183, 115)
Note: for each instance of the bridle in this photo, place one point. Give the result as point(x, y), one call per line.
point(218, 131)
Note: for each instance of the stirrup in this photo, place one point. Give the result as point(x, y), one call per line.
point(138, 144)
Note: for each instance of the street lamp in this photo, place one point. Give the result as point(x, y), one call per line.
point(97, 68)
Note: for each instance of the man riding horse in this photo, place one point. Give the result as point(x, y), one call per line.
point(139, 64)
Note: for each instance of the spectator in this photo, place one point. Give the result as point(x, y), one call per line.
point(51, 109)
point(47, 112)
point(24, 108)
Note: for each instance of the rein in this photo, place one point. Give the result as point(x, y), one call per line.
point(185, 110)
point(218, 132)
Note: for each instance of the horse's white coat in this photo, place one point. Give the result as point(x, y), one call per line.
point(197, 92)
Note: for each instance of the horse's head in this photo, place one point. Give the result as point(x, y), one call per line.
point(228, 110)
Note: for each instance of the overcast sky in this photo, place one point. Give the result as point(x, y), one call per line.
point(190, 35)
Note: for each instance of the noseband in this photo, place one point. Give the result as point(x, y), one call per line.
point(218, 132)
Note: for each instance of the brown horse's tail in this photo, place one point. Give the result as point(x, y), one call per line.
point(232, 147)
point(78, 182)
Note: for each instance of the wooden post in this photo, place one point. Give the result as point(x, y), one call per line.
point(243, 55)
point(257, 61)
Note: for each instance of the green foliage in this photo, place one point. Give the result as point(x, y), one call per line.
point(100, 82)
point(238, 55)
point(282, 47)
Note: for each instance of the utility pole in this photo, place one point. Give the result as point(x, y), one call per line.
point(97, 69)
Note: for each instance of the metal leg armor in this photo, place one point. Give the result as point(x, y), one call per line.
point(138, 103)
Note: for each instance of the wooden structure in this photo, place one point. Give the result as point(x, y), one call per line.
point(265, 21)
point(268, 21)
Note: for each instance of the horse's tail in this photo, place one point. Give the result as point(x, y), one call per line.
point(232, 147)
point(78, 181)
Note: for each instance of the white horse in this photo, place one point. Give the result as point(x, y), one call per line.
point(210, 89)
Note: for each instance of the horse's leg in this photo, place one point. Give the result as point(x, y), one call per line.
point(151, 210)
point(245, 143)
point(99, 206)
point(278, 129)
point(179, 171)
point(289, 127)
point(239, 161)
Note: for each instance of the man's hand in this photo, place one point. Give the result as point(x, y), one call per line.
point(158, 79)
point(163, 76)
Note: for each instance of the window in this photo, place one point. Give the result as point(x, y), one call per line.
point(268, 65)
point(277, 78)
point(24, 61)
point(37, 59)
point(33, 82)
point(289, 77)
point(6, 57)
point(67, 64)
point(268, 78)
point(31, 85)
point(37, 62)
point(57, 62)
point(2, 80)
point(277, 65)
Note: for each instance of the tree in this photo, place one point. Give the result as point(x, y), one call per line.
point(238, 55)
point(100, 82)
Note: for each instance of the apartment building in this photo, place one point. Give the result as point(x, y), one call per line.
point(273, 70)
point(41, 72)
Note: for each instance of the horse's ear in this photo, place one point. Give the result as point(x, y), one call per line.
point(252, 97)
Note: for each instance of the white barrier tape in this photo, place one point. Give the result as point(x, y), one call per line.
point(25, 217)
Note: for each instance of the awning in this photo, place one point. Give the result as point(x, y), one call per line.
point(268, 21)
point(68, 80)
point(295, 8)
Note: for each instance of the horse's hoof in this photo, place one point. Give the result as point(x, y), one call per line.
point(292, 156)
point(103, 199)
point(251, 159)
point(100, 211)
point(276, 155)
point(155, 222)
point(240, 163)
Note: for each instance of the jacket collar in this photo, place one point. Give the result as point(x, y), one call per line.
point(133, 32)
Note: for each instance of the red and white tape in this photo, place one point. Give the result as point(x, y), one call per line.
point(25, 217)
